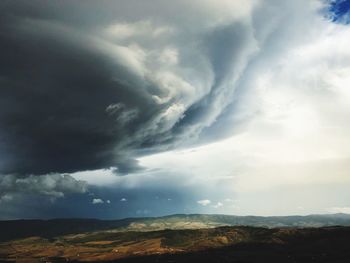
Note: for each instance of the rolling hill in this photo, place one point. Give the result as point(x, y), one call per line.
point(14, 229)
point(235, 244)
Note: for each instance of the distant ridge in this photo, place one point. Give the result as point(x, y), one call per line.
point(13, 229)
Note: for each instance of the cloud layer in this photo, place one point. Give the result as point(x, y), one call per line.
point(86, 93)
point(50, 185)
point(256, 91)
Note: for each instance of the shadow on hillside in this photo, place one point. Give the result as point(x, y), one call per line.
point(326, 247)
point(17, 229)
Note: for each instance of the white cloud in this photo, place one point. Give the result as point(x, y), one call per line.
point(96, 201)
point(102, 177)
point(292, 120)
point(204, 202)
point(108, 201)
point(51, 185)
point(345, 210)
point(6, 198)
point(123, 200)
point(139, 29)
point(218, 205)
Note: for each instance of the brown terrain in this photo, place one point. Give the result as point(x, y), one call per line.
point(179, 238)
point(222, 244)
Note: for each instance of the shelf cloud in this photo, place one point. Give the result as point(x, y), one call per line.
point(151, 95)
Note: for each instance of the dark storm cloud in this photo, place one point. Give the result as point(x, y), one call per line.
point(53, 99)
point(86, 86)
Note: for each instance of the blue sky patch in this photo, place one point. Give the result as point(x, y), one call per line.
point(340, 11)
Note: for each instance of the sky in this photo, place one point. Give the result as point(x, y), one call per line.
point(126, 108)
